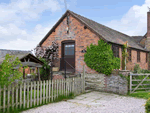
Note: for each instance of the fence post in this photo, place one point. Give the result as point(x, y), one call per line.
point(40, 92)
point(130, 82)
point(8, 99)
point(38, 99)
point(4, 93)
point(49, 97)
point(20, 96)
point(27, 94)
point(52, 90)
point(83, 78)
point(73, 85)
point(46, 91)
point(16, 97)
point(24, 96)
point(31, 94)
point(34, 93)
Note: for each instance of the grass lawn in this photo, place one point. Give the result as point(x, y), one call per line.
point(141, 94)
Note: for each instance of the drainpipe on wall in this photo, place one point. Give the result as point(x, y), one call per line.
point(147, 42)
point(125, 57)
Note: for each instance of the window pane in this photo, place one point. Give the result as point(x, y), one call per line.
point(69, 49)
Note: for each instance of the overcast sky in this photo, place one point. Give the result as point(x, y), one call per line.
point(23, 23)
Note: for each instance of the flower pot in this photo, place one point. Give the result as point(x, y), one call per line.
point(55, 69)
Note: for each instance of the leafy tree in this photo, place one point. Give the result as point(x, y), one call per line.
point(100, 58)
point(7, 72)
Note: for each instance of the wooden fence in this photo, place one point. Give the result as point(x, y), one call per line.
point(139, 82)
point(26, 95)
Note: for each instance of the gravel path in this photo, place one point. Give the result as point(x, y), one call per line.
point(94, 102)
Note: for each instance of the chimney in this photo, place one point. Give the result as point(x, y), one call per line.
point(147, 43)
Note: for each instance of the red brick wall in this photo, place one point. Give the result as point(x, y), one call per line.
point(83, 38)
point(143, 64)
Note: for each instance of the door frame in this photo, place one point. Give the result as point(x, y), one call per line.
point(62, 50)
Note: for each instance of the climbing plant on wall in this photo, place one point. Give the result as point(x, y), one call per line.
point(100, 58)
point(124, 55)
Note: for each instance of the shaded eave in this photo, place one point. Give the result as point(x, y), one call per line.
point(33, 57)
point(64, 15)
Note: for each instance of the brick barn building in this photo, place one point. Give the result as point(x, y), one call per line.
point(74, 33)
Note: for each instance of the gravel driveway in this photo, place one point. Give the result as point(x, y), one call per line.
point(94, 102)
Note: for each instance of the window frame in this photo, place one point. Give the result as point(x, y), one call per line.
point(138, 56)
point(129, 54)
point(146, 57)
point(115, 49)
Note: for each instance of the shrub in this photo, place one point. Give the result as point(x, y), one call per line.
point(100, 58)
point(137, 68)
point(145, 71)
point(45, 70)
point(147, 106)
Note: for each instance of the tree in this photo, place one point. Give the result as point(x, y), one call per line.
point(50, 54)
point(7, 72)
point(100, 58)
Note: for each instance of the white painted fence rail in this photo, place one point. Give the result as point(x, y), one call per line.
point(36, 93)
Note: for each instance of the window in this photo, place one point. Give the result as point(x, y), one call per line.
point(146, 57)
point(138, 56)
point(129, 54)
point(115, 49)
point(69, 49)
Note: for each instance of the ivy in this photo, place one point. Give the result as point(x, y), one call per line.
point(124, 55)
point(100, 58)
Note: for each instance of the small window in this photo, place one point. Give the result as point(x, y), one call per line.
point(138, 56)
point(69, 49)
point(129, 55)
point(146, 57)
point(115, 49)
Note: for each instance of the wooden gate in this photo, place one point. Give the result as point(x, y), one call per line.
point(139, 82)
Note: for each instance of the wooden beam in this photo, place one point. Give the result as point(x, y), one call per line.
point(23, 73)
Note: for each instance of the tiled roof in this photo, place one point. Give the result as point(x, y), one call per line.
point(21, 57)
point(106, 33)
point(3, 52)
point(137, 38)
point(109, 34)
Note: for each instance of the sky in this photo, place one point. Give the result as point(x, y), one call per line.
point(24, 23)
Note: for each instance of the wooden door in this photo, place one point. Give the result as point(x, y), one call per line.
point(68, 55)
